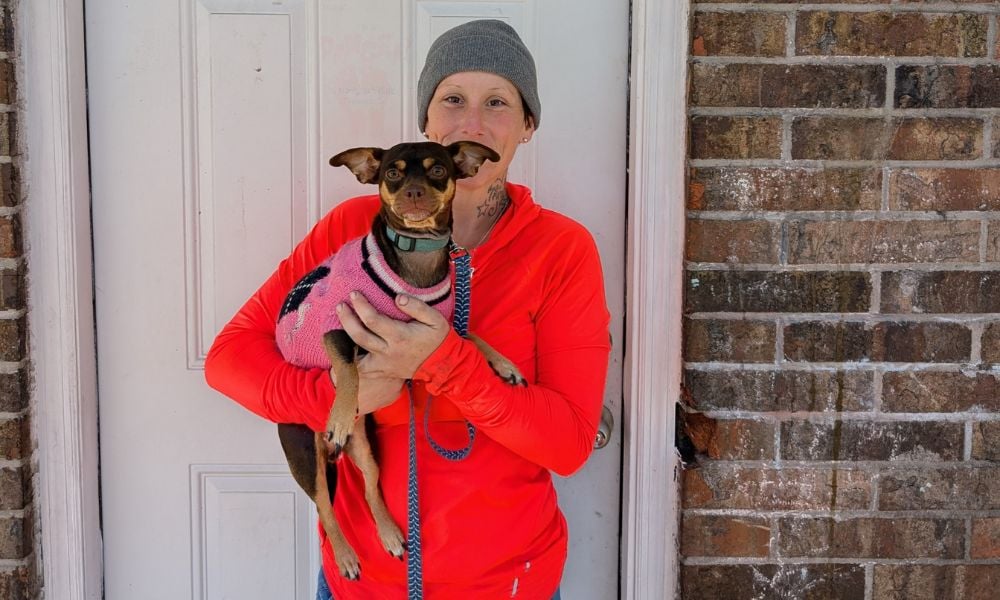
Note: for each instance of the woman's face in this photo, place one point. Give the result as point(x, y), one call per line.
point(479, 107)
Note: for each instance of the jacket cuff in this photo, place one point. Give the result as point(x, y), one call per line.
point(437, 367)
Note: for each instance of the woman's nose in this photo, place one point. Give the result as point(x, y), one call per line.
point(472, 121)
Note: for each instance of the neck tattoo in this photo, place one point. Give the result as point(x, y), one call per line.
point(493, 208)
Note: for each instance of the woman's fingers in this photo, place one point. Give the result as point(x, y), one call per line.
point(357, 329)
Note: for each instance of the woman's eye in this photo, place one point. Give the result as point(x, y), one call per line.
point(496, 102)
point(452, 100)
point(393, 175)
point(437, 171)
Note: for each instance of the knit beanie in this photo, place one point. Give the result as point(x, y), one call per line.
point(486, 45)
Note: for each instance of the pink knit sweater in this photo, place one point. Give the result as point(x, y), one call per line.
point(308, 312)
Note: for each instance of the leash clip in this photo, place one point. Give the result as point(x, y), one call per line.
point(456, 252)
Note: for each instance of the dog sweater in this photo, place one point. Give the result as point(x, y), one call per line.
point(309, 309)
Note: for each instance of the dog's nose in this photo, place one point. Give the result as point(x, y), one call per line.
point(414, 193)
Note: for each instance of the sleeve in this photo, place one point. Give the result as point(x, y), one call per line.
point(553, 420)
point(244, 362)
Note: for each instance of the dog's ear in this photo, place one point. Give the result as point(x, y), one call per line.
point(469, 156)
point(363, 162)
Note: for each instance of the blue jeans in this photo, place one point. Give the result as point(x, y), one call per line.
point(323, 590)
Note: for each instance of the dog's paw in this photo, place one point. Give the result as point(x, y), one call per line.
point(348, 564)
point(337, 435)
point(506, 371)
point(392, 540)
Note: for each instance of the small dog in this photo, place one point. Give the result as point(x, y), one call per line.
point(405, 252)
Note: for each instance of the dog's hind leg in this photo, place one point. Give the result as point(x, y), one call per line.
point(342, 352)
point(500, 364)
point(361, 455)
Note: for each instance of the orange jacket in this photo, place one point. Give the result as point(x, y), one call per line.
point(490, 523)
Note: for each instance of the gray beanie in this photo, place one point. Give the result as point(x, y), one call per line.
point(487, 45)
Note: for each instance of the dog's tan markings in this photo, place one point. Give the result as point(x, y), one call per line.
point(429, 162)
point(400, 164)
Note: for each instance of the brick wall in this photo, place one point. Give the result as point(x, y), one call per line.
point(17, 522)
point(842, 303)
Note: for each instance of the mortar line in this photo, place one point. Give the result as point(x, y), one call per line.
point(968, 538)
point(787, 122)
point(976, 349)
point(790, 29)
point(886, 178)
point(967, 442)
point(869, 581)
point(991, 37)
point(984, 238)
point(988, 142)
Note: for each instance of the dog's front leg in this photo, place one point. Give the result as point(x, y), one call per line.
point(500, 364)
point(342, 352)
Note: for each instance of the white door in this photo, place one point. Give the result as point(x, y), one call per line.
point(211, 122)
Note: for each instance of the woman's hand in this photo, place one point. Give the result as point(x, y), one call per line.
point(395, 348)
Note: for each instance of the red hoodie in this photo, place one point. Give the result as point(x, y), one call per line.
point(490, 524)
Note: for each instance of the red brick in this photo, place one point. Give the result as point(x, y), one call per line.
point(738, 34)
point(871, 538)
point(8, 83)
point(11, 289)
point(743, 439)
point(986, 441)
point(942, 488)
point(993, 242)
point(732, 241)
point(853, 138)
point(15, 488)
point(936, 582)
point(780, 391)
point(756, 189)
point(827, 342)
point(940, 292)
point(10, 237)
point(921, 342)
point(833, 242)
point(792, 86)
point(724, 485)
point(13, 392)
point(769, 291)
point(8, 133)
point(947, 86)
point(864, 440)
point(728, 340)
point(773, 582)
point(890, 34)
point(12, 339)
point(709, 535)
point(17, 583)
point(15, 441)
point(9, 190)
point(985, 538)
point(15, 538)
point(928, 391)
point(735, 137)
point(944, 189)
point(990, 347)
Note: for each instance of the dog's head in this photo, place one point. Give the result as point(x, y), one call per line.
point(416, 181)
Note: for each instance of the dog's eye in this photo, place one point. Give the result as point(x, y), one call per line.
point(437, 171)
point(393, 174)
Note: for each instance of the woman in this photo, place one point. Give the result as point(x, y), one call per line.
point(491, 527)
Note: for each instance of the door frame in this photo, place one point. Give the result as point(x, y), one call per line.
point(62, 331)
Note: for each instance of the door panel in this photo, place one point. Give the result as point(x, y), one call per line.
point(211, 122)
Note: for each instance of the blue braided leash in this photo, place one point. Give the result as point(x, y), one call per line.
point(414, 562)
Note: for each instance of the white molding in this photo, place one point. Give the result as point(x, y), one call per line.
point(657, 151)
point(64, 392)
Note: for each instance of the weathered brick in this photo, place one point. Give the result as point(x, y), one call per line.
point(940, 292)
point(996, 127)
point(990, 346)
point(8, 83)
point(853, 138)
point(890, 34)
point(725, 485)
point(985, 538)
point(827, 342)
point(15, 488)
point(735, 137)
point(728, 340)
point(780, 391)
point(738, 34)
point(928, 391)
point(838, 242)
point(15, 538)
point(944, 488)
point(935, 582)
point(947, 86)
point(9, 190)
point(11, 289)
point(743, 439)
point(8, 133)
point(944, 189)
point(13, 392)
point(17, 583)
point(751, 189)
point(993, 242)
point(732, 241)
point(921, 342)
point(15, 439)
point(773, 582)
point(710, 535)
point(6, 34)
point(769, 291)
point(871, 538)
point(10, 237)
point(865, 440)
point(792, 86)
point(986, 441)
point(12, 339)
